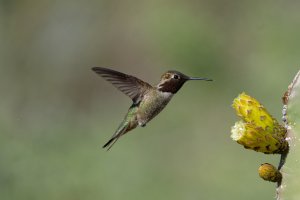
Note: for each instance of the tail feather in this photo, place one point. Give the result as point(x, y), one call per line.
point(111, 142)
point(121, 131)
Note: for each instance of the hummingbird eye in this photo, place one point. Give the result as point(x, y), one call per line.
point(176, 76)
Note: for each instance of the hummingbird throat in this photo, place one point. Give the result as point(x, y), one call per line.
point(169, 87)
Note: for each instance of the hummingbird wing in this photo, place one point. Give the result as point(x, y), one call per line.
point(129, 85)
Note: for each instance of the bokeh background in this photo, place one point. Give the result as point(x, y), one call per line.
point(55, 113)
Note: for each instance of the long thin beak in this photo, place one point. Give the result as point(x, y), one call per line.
point(196, 78)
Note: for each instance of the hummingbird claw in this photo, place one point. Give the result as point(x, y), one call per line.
point(142, 124)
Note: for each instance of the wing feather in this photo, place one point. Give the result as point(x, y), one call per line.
point(129, 85)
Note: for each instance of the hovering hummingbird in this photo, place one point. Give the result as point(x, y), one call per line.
point(148, 100)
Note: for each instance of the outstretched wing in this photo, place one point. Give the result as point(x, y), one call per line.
point(129, 85)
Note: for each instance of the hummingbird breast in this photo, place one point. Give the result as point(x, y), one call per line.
point(152, 104)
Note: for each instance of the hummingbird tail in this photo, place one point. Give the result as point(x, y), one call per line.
point(121, 131)
point(111, 142)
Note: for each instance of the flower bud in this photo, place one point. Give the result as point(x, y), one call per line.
point(269, 173)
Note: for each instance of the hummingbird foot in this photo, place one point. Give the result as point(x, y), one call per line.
point(142, 124)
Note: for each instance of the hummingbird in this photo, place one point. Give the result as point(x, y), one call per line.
point(147, 100)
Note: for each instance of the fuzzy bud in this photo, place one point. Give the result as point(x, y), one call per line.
point(269, 173)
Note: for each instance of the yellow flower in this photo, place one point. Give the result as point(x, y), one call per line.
point(257, 139)
point(269, 173)
point(258, 130)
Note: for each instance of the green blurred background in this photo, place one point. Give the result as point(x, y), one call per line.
point(55, 113)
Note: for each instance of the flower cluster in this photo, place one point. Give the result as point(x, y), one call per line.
point(257, 130)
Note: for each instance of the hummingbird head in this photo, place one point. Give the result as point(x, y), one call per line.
point(171, 81)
